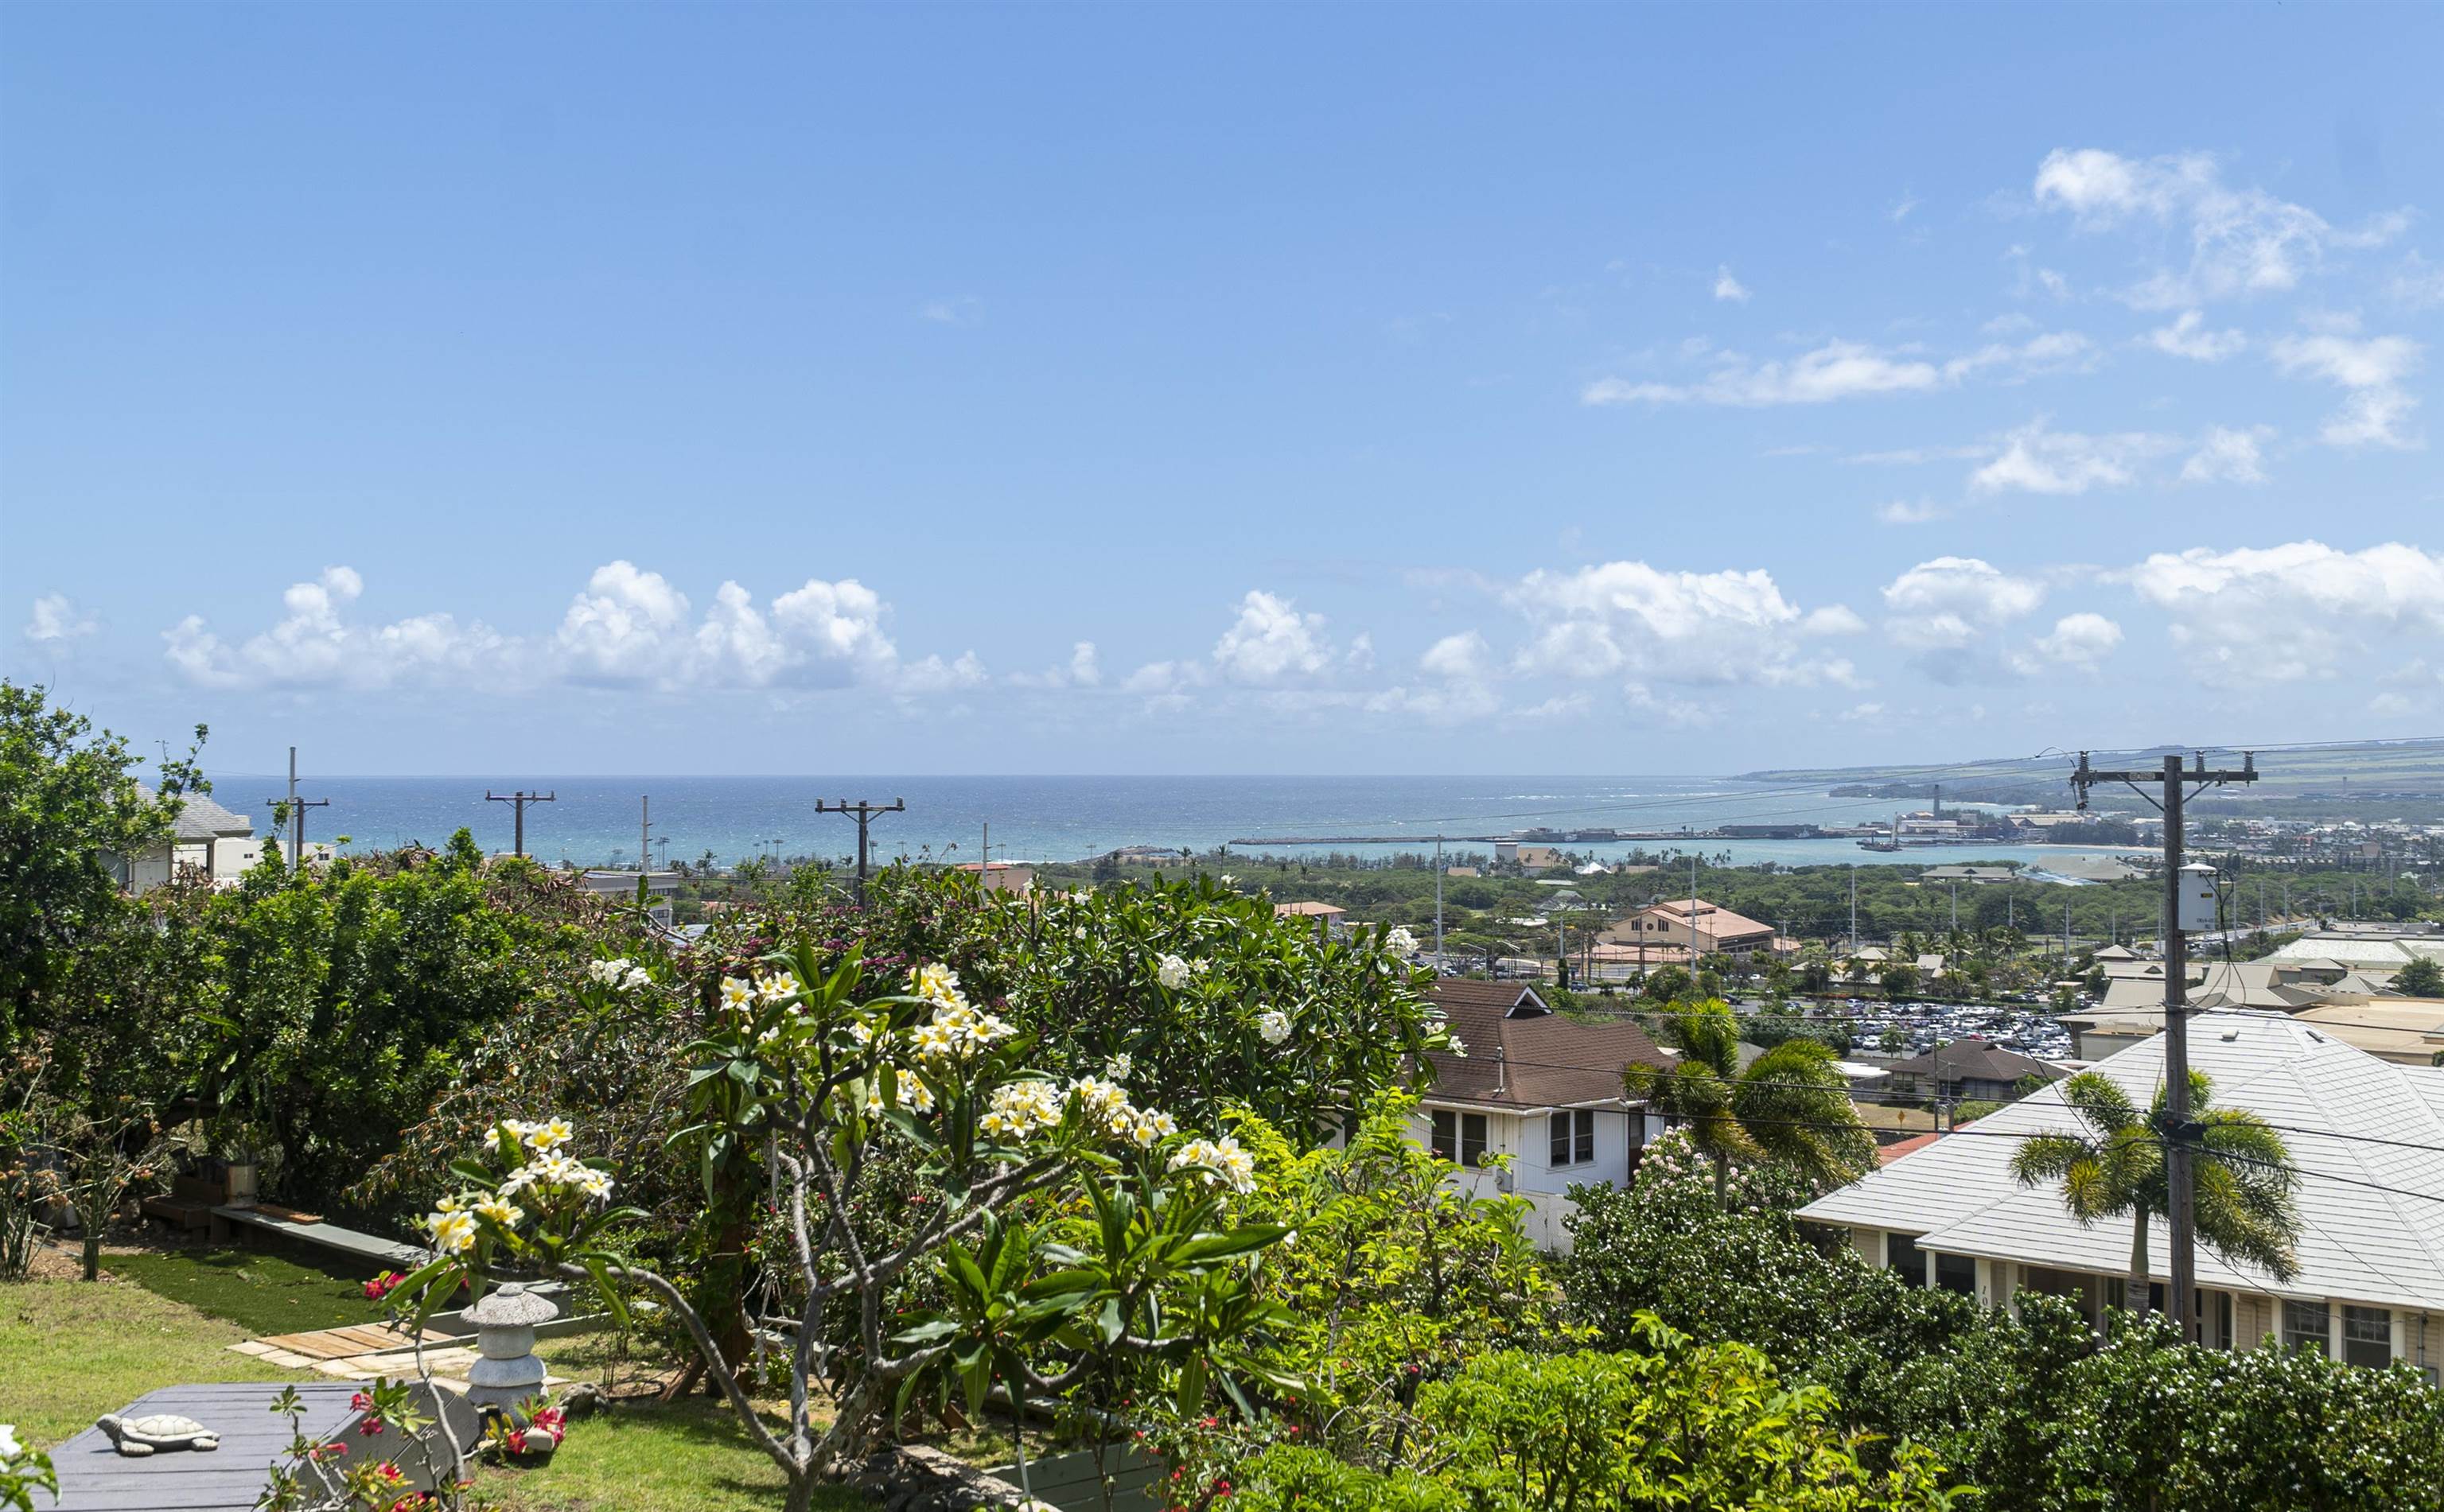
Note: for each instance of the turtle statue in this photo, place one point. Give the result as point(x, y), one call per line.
point(140, 1436)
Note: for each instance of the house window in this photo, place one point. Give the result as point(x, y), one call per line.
point(1957, 1272)
point(2308, 1325)
point(1459, 1137)
point(2368, 1336)
point(1905, 1259)
point(1573, 1136)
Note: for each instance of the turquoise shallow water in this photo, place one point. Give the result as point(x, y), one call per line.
point(595, 819)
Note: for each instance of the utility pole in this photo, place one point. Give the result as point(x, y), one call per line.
point(2180, 1148)
point(1854, 910)
point(1438, 905)
point(520, 798)
point(293, 809)
point(864, 812)
point(644, 834)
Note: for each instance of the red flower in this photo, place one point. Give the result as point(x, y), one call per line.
point(370, 1427)
point(360, 1402)
point(517, 1441)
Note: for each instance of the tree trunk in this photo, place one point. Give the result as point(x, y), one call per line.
point(801, 1492)
point(2134, 1296)
point(92, 1249)
point(1722, 1180)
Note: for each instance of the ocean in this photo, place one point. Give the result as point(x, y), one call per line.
point(594, 821)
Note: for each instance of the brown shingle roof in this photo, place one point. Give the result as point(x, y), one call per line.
point(1977, 1060)
point(1521, 1055)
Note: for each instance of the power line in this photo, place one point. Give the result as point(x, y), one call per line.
point(864, 813)
point(520, 798)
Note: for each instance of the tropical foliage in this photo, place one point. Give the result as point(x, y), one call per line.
point(1792, 1105)
point(2115, 1167)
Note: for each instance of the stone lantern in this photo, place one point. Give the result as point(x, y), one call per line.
point(506, 1371)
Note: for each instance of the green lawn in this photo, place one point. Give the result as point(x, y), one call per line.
point(261, 1291)
point(688, 1457)
point(71, 1350)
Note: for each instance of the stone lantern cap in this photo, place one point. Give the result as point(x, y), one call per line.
point(510, 1305)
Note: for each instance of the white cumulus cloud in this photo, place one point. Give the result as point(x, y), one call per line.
point(1629, 619)
point(2080, 640)
point(55, 622)
point(1271, 640)
point(2038, 459)
point(1728, 287)
point(1951, 602)
point(2304, 609)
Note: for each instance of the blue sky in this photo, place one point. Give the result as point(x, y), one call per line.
point(1221, 389)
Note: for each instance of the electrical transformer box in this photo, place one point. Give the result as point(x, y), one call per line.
point(2194, 900)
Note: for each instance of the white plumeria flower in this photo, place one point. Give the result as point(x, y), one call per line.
point(635, 978)
point(1400, 942)
point(1456, 1048)
point(1019, 1108)
point(1172, 972)
point(10, 1447)
point(1218, 1160)
point(1272, 1025)
point(500, 1211)
point(861, 1031)
point(1080, 932)
point(917, 1095)
point(933, 1042)
point(595, 1183)
point(936, 982)
point(1227, 879)
point(452, 1233)
point(768, 1036)
point(1117, 1067)
point(781, 984)
point(551, 1135)
point(737, 992)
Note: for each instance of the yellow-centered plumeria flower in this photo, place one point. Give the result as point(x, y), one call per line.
point(551, 1135)
point(937, 982)
point(736, 992)
point(504, 1213)
point(915, 1093)
point(452, 1233)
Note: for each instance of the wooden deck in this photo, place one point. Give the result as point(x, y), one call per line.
point(95, 1477)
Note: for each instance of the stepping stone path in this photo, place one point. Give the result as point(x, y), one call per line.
point(360, 1354)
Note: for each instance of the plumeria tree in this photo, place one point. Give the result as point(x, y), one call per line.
point(807, 1067)
point(23, 1470)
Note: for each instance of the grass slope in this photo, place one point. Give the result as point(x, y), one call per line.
point(258, 1290)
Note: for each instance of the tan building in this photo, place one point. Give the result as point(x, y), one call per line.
point(1012, 878)
point(1326, 918)
point(1677, 921)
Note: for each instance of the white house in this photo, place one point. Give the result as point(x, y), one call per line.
point(207, 843)
point(2362, 1132)
point(1541, 1089)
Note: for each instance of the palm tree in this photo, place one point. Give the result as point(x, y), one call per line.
point(1790, 1105)
point(2242, 1175)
